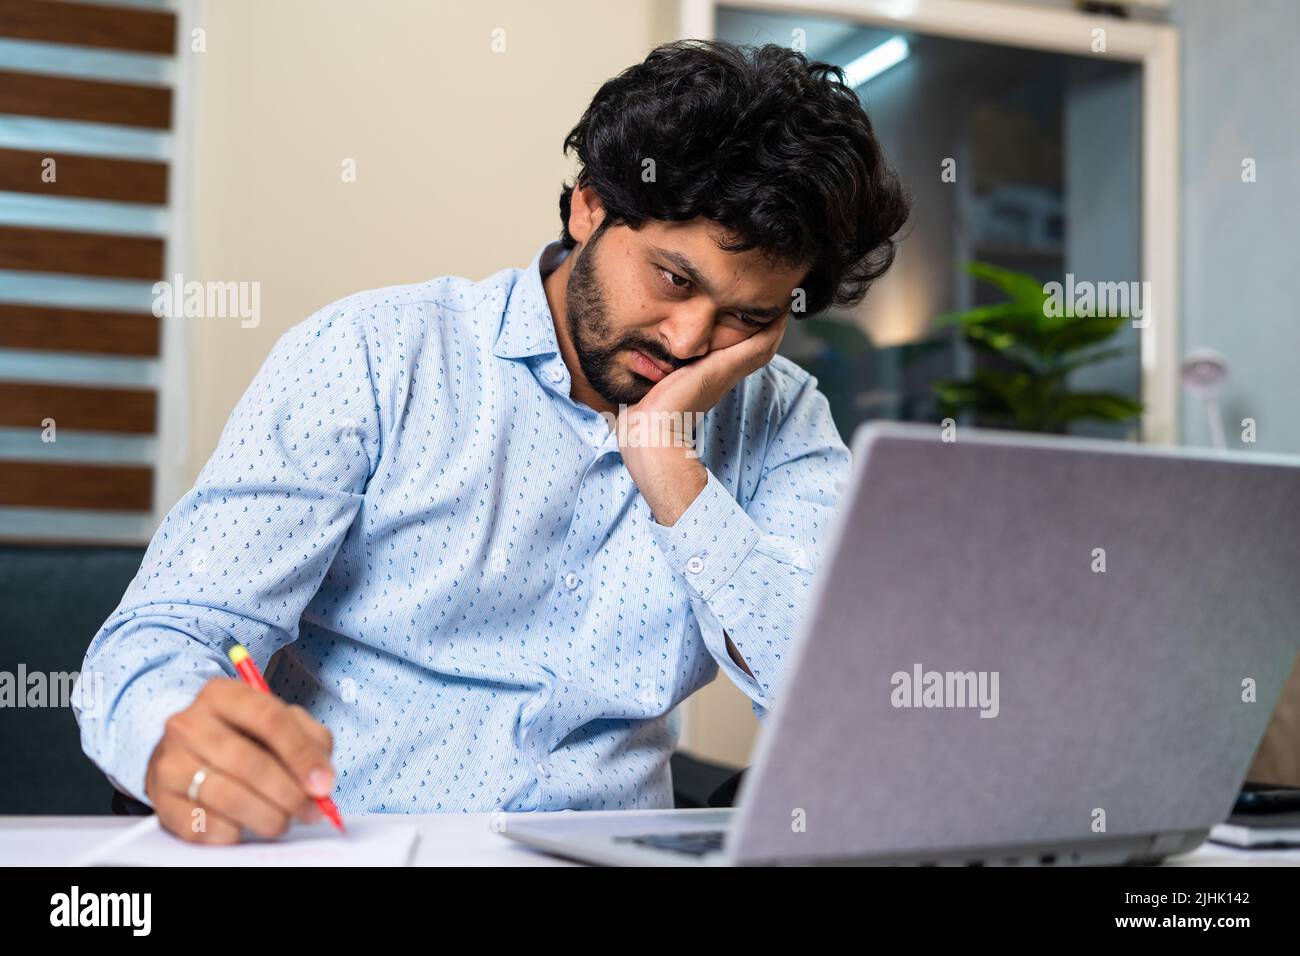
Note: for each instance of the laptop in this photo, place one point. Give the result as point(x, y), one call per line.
point(1019, 650)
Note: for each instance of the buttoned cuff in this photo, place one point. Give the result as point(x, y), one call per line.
point(710, 541)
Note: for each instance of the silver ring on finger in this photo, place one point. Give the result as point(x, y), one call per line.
point(196, 782)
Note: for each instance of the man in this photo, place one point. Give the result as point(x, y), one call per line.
point(492, 598)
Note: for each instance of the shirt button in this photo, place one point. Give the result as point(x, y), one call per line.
point(555, 375)
point(571, 581)
point(695, 565)
point(542, 769)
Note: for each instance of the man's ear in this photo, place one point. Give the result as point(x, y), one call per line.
point(586, 212)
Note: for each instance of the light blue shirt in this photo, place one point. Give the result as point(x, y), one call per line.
point(453, 569)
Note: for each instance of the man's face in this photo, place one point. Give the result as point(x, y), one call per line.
point(642, 303)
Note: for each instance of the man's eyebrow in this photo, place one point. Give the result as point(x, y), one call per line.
point(686, 268)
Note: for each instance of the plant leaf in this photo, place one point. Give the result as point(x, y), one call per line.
point(1108, 406)
point(1092, 358)
point(1003, 312)
point(1022, 288)
point(1081, 333)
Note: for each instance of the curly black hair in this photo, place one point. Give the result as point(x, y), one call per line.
point(763, 141)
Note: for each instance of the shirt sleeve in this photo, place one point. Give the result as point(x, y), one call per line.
point(241, 554)
point(748, 569)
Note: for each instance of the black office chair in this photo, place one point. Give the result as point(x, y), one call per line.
point(701, 783)
point(53, 600)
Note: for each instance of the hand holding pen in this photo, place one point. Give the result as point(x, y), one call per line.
point(238, 757)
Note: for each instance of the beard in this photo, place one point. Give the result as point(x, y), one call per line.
point(594, 340)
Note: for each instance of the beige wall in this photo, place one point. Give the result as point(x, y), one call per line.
point(458, 159)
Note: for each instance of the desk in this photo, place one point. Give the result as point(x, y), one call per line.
point(446, 839)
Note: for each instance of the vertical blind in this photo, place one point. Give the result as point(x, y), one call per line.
point(86, 103)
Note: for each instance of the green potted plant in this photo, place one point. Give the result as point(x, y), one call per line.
point(1030, 352)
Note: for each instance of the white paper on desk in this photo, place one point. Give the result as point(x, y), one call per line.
point(366, 843)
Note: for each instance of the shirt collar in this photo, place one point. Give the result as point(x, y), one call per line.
point(527, 326)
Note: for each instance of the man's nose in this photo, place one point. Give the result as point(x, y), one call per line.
point(687, 330)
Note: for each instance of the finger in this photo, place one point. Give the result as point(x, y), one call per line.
point(268, 720)
point(770, 336)
point(221, 794)
point(177, 815)
point(313, 727)
point(776, 328)
point(176, 812)
point(221, 747)
point(762, 345)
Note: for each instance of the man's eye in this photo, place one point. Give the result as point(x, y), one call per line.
point(752, 323)
point(673, 279)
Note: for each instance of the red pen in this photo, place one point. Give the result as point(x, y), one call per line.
point(247, 669)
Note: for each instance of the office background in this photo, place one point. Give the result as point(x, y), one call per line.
point(452, 116)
